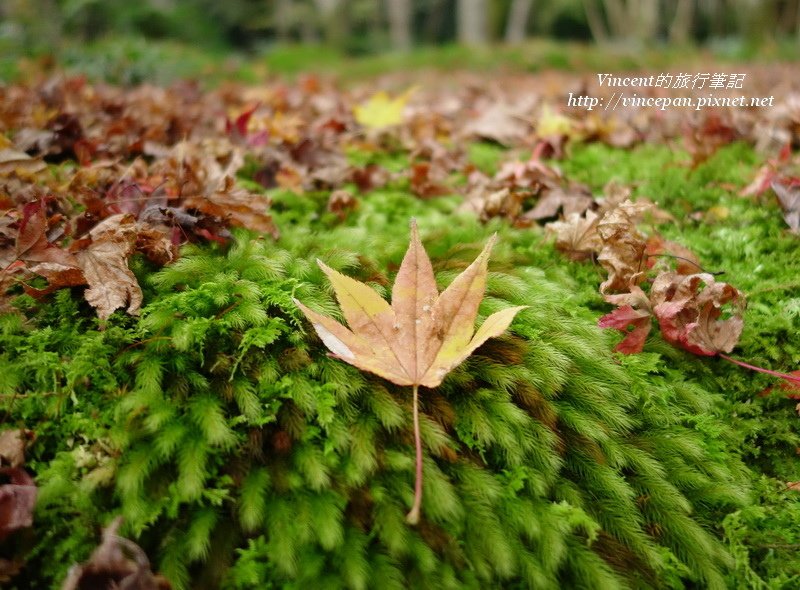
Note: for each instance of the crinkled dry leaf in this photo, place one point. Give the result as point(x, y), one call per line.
point(112, 285)
point(116, 563)
point(690, 311)
point(428, 180)
point(622, 319)
point(685, 262)
point(241, 207)
point(17, 500)
point(341, 203)
point(577, 236)
point(623, 251)
point(574, 199)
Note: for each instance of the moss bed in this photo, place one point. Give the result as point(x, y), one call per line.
point(240, 455)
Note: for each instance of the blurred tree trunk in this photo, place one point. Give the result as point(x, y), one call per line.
point(333, 19)
point(630, 19)
point(797, 18)
point(472, 22)
point(399, 24)
point(517, 23)
point(281, 17)
point(435, 21)
point(595, 21)
point(682, 24)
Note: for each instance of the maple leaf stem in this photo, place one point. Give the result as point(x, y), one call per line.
point(789, 378)
point(413, 515)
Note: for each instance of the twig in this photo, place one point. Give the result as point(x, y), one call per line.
point(791, 378)
point(692, 262)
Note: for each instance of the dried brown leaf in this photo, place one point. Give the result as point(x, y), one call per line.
point(17, 500)
point(623, 251)
point(104, 262)
point(12, 160)
point(577, 236)
point(116, 563)
point(789, 197)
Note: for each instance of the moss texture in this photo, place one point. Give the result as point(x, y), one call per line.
point(242, 456)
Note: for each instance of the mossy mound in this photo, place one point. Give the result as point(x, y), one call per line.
point(242, 456)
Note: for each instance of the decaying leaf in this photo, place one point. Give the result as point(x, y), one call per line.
point(18, 494)
point(12, 160)
point(685, 261)
point(577, 236)
point(501, 122)
point(105, 265)
point(690, 311)
point(421, 336)
point(575, 199)
point(694, 312)
point(17, 499)
point(116, 563)
point(341, 203)
point(12, 447)
point(789, 197)
point(428, 180)
point(632, 318)
point(241, 207)
point(623, 251)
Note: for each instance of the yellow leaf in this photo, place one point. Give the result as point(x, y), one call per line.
point(380, 111)
point(552, 124)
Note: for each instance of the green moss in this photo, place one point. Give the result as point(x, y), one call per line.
point(241, 455)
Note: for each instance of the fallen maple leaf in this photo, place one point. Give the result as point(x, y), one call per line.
point(623, 252)
point(105, 265)
point(634, 312)
point(381, 111)
point(13, 160)
point(420, 337)
point(116, 563)
point(577, 235)
point(18, 495)
point(691, 317)
point(574, 199)
point(686, 261)
point(506, 124)
point(789, 197)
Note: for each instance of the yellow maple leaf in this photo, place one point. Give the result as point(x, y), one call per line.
point(380, 110)
point(553, 124)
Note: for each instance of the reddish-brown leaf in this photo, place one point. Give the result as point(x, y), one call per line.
point(690, 309)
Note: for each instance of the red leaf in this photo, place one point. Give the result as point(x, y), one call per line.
point(622, 319)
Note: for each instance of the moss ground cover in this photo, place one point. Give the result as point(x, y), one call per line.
point(241, 456)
